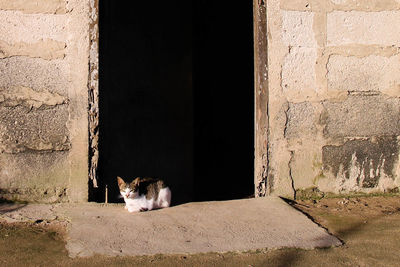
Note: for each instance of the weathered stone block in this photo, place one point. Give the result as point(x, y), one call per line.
point(42, 130)
point(300, 120)
point(298, 69)
point(365, 5)
point(35, 6)
point(30, 28)
point(303, 5)
point(361, 164)
point(368, 28)
point(343, 5)
point(297, 29)
point(339, 2)
point(372, 73)
point(38, 74)
point(25, 96)
point(41, 177)
point(46, 49)
point(305, 166)
point(362, 116)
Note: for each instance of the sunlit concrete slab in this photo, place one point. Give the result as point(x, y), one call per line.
point(236, 225)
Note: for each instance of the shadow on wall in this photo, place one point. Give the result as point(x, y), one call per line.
point(9, 206)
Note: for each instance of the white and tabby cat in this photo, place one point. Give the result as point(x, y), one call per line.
point(144, 194)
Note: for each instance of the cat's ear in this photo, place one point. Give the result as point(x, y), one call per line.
point(120, 181)
point(136, 182)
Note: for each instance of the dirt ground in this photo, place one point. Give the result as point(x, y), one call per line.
point(369, 227)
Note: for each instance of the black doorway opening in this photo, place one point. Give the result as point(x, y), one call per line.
point(176, 97)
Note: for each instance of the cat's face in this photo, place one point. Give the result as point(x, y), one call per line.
point(127, 190)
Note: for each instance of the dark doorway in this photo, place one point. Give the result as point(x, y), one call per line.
point(176, 97)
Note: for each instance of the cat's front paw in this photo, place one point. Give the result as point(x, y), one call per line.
point(126, 207)
point(132, 210)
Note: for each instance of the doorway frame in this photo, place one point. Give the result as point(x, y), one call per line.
point(262, 183)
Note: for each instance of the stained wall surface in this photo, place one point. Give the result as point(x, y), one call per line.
point(334, 88)
point(43, 100)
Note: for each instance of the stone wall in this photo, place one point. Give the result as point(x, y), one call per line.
point(43, 100)
point(334, 96)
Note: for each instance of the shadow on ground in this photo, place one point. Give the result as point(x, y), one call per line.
point(359, 223)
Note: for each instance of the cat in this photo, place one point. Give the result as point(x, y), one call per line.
point(144, 194)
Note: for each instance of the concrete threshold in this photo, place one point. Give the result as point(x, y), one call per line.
point(199, 227)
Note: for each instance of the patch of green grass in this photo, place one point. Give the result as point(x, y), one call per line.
point(313, 193)
point(361, 194)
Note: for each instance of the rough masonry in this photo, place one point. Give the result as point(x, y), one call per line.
point(334, 92)
point(43, 100)
point(328, 73)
